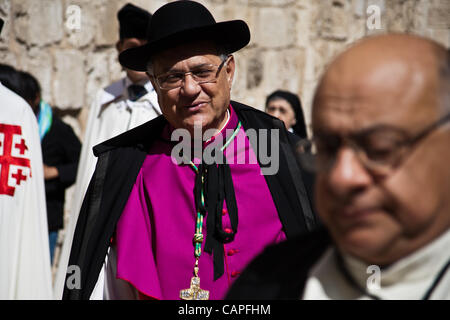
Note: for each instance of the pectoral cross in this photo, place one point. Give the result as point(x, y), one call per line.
point(194, 292)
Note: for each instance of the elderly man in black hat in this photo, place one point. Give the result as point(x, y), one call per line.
point(167, 217)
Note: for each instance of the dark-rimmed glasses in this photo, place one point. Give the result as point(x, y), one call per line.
point(380, 149)
point(202, 74)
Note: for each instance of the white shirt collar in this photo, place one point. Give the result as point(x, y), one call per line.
point(408, 278)
point(146, 83)
point(420, 266)
point(150, 99)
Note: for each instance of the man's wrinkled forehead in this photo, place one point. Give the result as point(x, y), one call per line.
point(344, 114)
point(170, 57)
point(359, 92)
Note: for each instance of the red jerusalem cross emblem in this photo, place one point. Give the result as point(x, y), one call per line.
point(7, 159)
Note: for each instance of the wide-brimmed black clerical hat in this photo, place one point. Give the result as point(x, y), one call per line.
point(133, 22)
point(182, 22)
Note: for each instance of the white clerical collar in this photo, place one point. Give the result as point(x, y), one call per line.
point(421, 266)
point(223, 127)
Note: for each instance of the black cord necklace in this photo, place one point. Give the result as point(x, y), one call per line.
point(349, 278)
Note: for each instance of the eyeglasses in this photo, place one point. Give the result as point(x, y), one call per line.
point(380, 149)
point(202, 74)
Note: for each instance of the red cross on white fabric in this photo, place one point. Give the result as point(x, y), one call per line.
point(21, 146)
point(7, 159)
point(19, 176)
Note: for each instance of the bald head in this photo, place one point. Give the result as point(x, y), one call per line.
point(385, 189)
point(399, 66)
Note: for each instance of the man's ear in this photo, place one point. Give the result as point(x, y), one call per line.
point(119, 45)
point(230, 68)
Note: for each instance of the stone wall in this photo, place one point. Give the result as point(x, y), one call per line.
point(292, 40)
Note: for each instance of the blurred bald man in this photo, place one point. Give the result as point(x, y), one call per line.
point(381, 122)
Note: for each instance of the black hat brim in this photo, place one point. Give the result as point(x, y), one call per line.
point(229, 36)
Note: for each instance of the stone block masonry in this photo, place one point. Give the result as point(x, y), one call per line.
point(69, 45)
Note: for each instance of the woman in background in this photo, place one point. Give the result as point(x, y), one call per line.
point(287, 107)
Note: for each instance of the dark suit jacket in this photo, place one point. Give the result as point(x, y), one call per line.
point(120, 160)
point(60, 149)
point(280, 272)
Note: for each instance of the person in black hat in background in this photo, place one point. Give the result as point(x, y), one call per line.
point(175, 224)
point(287, 107)
point(121, 106)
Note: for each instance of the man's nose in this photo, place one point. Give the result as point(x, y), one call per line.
point(190, 87)
point(348, 173)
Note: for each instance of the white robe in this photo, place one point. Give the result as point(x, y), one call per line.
point(407, 279)
point(25, 271)
point(110, 114)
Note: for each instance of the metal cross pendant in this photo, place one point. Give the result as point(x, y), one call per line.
point(194, 292)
